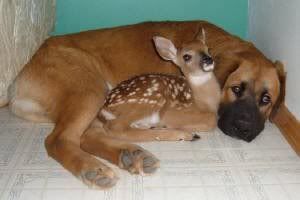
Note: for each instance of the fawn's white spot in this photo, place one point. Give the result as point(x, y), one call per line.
point(152, 101)
point(208, 68)
point(132, 100)
point(200, 79)
point(109, 86)
point(146, 122)
point(107, 115)
point(132, 93)
point(188, 95)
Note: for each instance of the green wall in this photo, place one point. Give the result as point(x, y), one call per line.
point(79, 15)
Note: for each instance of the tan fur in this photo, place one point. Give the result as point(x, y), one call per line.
point(68, 78)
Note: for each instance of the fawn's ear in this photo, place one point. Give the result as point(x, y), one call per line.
point(201, 36)
point(165, 48)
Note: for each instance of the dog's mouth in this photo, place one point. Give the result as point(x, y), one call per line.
point(241, 120)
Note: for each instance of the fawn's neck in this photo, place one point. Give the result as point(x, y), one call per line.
point(205, 90)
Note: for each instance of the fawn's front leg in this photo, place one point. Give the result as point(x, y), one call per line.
point(125, 127)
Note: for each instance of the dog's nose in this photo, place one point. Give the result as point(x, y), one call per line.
point(206, 59)
point(242, 126)
point(243, 123)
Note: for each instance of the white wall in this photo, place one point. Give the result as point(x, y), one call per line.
point(24, 25)
point(274, 27)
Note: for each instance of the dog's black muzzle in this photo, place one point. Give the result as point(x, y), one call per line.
point(241, 119)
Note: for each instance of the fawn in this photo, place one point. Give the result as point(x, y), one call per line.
point(166, 107)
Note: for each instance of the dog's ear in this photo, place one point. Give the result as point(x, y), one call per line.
point(282, 81)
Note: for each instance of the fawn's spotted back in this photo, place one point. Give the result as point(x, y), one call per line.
point(151, 89)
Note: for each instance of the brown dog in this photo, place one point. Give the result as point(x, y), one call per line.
point(67, 79)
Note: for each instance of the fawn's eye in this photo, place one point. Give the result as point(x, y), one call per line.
point(187, 57)
point(265, 99)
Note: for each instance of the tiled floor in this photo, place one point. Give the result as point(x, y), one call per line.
point(216, 167)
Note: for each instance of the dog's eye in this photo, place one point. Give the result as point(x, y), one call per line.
point(265, 99)
point(187, 57)
point(237, 90)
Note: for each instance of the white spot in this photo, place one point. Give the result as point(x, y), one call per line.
point(132, 93)
point(188, 95)
point(142, 78)
point(109, 86)
point(137, 89)
point(107, 115)
point(152, 101)
point(26, 105)
point(153, 81)
point(173, 96)
point(208, 68)
point(132, 100)
point(200, 79)
point(147, 122)
point(158, 95)
point(172, 81)
point(132, 82)
point(176, 91)
point(178, 108)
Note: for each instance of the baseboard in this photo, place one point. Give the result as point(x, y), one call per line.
point(289, 127)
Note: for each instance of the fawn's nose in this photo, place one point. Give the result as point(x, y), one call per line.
point(206, 59)
point(207, 63)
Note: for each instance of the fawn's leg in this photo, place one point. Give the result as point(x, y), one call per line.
point(127, 156)
point(190, 119)
point(63, 144)
point(126, 126)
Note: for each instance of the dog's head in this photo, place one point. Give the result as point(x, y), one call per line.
point(252, 91)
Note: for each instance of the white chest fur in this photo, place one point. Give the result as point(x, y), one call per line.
point(146, 122)
point(199, 79)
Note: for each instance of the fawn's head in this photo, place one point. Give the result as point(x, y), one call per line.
point(192, 58)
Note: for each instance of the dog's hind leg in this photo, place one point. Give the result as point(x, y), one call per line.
point(63, 144)
point(125, 155)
